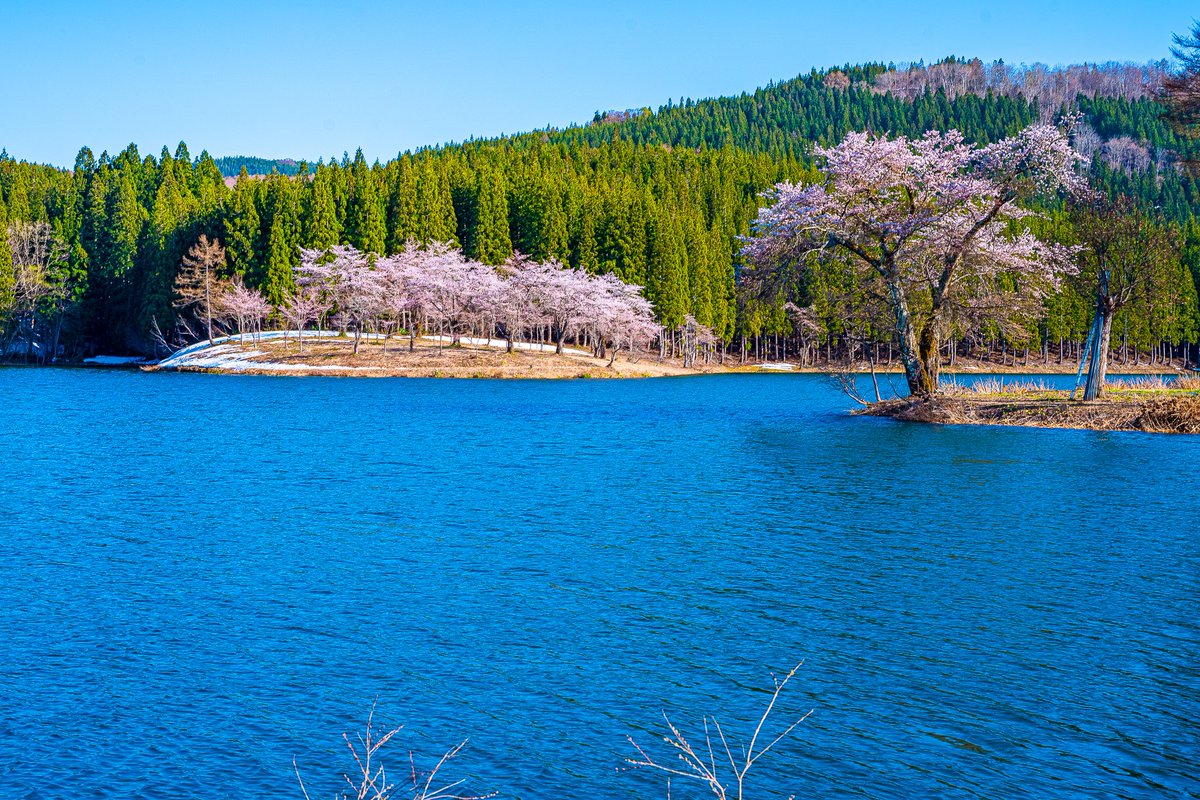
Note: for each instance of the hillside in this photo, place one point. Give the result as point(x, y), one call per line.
point(659, 198)
point(231, 166)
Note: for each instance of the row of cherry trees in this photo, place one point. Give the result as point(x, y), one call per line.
point(437, 290)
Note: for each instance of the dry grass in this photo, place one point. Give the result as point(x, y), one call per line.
point(1141, 383)
point(997, 386)
point(334, 356)
point(1161, 412)
point(1157, 383)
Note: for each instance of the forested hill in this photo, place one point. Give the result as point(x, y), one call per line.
point(983, 101)
point(230, 166)
point(658, 198)
point(1134, 150)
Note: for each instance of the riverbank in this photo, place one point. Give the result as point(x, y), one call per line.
point(430, 357)
point(277, 352)
point(1172, 407)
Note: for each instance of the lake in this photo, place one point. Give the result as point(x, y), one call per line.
point(205, 576)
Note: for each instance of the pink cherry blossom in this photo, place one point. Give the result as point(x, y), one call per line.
point(935, 219)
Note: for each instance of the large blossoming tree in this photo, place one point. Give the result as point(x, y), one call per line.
point(934, 222)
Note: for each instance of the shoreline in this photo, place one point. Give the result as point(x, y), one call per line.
point(599, 365)
point(1146, 411)
point(430, 357)
point(328, 353)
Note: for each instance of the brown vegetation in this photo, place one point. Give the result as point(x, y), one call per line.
point(428, 359)
point(334, 356)
point(1149, 405)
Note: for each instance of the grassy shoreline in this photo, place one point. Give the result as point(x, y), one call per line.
point(391, 357)
point(335, 356)
point(1146, 405)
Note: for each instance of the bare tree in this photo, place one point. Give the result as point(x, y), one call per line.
point(706, 762)
point(1128, 257)
point(198, 284)
point(37, 255)
point(1181, 90)
point(698, 340)
point(1052, 87)
point(371, 780)
point(1126, 154)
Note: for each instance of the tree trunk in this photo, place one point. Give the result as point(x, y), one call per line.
point(872, 357)
point(928, 362)
point(57, 333)
point(208, 304)
point(1098, 366)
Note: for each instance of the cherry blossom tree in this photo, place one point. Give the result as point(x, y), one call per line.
point(406, 292)
point(514, 301)
point(243, 307)
point(559, 294)
point(618, 315)
point(396, 274)
point(454, 291)
point(303, 306)
point(934, 218)
point(435, 286)
point(484, 292)
point(348, 281)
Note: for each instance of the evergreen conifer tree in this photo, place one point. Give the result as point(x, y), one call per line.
point(492, 243)
point(242, 227)
point(7, 276)
point(322, 229)
point(366, 229)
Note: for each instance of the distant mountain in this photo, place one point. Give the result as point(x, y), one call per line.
point(231, 166)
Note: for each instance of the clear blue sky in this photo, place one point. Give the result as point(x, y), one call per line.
point(302, 79)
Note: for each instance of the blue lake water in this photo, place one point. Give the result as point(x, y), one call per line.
point(203, 576)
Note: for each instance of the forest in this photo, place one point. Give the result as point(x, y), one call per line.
point(90, 256)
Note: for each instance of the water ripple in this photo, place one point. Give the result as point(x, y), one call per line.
point(202, 576)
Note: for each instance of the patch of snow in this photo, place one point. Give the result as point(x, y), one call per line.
point(502, 343)
point(230, 352)
point(221, 354)
point(179, 356)
point(782, 366)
